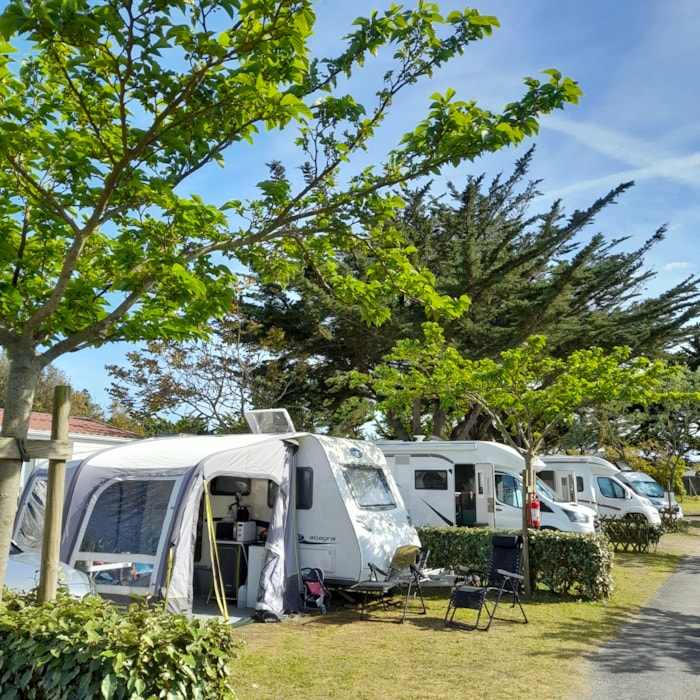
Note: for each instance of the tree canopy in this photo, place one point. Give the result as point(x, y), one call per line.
point(526, 271)
point(527, 392)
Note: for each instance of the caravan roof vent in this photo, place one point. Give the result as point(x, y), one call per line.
point(270, 420)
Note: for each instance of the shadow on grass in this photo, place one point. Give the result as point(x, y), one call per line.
point(572, 626)
point(637, 639)
point(693, 525)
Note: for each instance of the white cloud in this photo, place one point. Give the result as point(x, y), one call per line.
point(672, 266)
point(649, 159)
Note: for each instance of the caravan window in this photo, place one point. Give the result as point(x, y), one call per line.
point(304, 489)
point(229, 486)
point(369, 486)
point(433, 479)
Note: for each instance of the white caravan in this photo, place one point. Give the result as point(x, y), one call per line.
point(141, 518)
point(598, 485)
point(474, 483)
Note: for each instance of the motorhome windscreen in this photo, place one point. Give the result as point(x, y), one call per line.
point(121, 537)
point(644, 486)
point(369, 486)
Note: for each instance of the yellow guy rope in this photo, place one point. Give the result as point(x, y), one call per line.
point(217, 580)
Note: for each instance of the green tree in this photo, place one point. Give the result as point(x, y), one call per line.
point(208, 385)
point(108, 110)
point(527, 393)
point(658, 438)
point(526, 271)
point(667, 432)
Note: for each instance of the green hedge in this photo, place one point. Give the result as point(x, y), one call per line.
point(572, 563)
point(561, 562)
point(69, 649)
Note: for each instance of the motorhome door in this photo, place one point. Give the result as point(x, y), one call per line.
point(474, 495)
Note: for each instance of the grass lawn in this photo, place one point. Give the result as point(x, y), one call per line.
point(690, 505)
point(338, 656)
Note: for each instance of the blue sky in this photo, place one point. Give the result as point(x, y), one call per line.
point(637, 63)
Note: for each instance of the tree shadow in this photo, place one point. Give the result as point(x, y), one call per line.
point(668, 627)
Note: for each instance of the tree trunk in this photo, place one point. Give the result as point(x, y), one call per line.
point(22, 380)
point(397, 427)
point(528, 491)
point(416, 428)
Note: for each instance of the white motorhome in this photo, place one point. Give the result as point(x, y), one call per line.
point(645, 485)
point(473, 483)
point(598, 485)
point(148, 518)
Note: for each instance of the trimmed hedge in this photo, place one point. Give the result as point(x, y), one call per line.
point(564, 563)
point(69, 649)
point(571, 563)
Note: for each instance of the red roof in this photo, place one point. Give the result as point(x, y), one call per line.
point(77, 426)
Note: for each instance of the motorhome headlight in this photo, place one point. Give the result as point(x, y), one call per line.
point(576, 516)
point(646, 501)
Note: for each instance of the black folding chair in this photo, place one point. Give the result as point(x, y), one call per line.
point(501, 581)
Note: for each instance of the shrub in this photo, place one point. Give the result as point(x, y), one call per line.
point(563, 562)
point(572, 563)
point(68, 649)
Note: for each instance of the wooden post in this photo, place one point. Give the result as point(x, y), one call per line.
point(53, 518)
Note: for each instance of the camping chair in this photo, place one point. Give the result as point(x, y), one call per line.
point(502, 580)
point(404, 572)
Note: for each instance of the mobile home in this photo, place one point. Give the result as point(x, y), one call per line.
point(598, 485)
point(153, 518)
point(474, 483)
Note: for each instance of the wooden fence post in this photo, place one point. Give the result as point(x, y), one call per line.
point(48, 580)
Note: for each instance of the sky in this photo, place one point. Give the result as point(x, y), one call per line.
point(637, 63)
